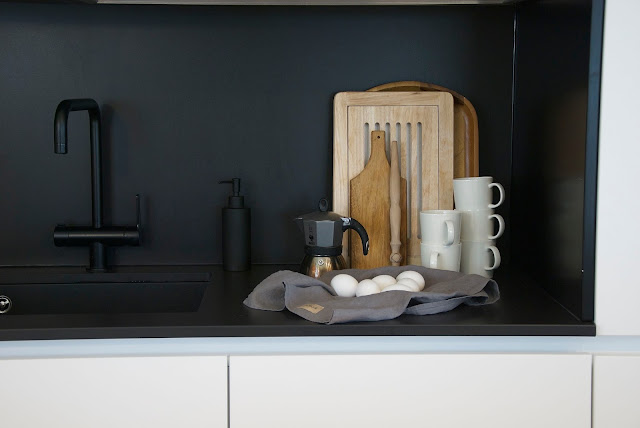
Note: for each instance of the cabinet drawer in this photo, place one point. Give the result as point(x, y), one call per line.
point(139, 392)
point(440, 390)
point(616, 380)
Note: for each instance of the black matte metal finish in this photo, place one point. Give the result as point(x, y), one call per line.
point(553, 142)
point(591, 162)
point(352, 223)
point(236, 231)
point(322, 251)
point(523, 309)
point(236, 239)
point(68, 236)
point(235, 200)
point(97, 236)
point(97, 254)
point(324, 229)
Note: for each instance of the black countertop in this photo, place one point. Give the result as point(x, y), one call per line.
point(524, 309)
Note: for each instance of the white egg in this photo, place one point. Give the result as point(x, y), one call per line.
point(409, 283)
point(367, 287)
point(384, 280)
point(412, 274)
point(397, 287)
point(344, 285)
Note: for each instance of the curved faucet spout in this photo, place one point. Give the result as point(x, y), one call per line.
point(60, 146)
point(98, 236)
point(60, 121)
point(97, 252)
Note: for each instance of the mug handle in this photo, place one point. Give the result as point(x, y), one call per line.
point(501, 190)
point(433, 260)
point(496, 258)
point(451, 233)
point(500, 226)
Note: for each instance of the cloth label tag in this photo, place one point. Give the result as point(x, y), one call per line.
point(311, 307)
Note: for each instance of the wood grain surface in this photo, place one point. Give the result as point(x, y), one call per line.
point(465, 131)
point(395, 212)
point(422, 123)
point(370, 205)
point(370, 198)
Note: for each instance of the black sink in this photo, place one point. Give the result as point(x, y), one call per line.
point(82, 293)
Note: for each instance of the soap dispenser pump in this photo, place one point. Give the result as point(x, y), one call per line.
point(236, 231)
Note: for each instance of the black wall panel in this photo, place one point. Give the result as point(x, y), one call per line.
point(552, 88)
point(193, 95)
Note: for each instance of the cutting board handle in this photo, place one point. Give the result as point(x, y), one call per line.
point(378, 151)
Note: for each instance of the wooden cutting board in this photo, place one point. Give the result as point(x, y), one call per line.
point(370, 200)
point(465, 130)
point(422, 123)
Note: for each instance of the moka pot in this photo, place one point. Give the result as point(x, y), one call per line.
point(323, 231)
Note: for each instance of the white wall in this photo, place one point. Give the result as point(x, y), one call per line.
point(618, 213)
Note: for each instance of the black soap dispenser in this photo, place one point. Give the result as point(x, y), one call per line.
point(236, 231)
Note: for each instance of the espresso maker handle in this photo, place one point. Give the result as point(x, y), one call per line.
point(351, 223)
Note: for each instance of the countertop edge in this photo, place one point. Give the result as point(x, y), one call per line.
point(578, 329)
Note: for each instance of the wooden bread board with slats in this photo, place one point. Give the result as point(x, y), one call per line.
point(465, 129)
point(422, 123)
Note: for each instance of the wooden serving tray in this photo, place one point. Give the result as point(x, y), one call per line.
point(422, 123)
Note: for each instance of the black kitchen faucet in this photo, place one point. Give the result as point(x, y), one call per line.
point(97, 236)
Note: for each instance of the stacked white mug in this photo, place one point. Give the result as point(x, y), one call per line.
point(473, 198)
point(440, 239)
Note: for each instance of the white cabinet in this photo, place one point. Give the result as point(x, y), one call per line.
point(616, 389)
point(139, 392)
point(438, 390)
point(618, 228)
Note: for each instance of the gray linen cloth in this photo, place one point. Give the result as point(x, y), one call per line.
point(315, 300)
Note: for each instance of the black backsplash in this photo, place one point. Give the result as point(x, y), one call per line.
point(193, 95)
point(552, 87)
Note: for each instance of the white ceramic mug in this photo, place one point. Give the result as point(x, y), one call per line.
point(475, 193)
point(481, 258)
point(446, 257)
point(478, 225)
point(441, 227)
